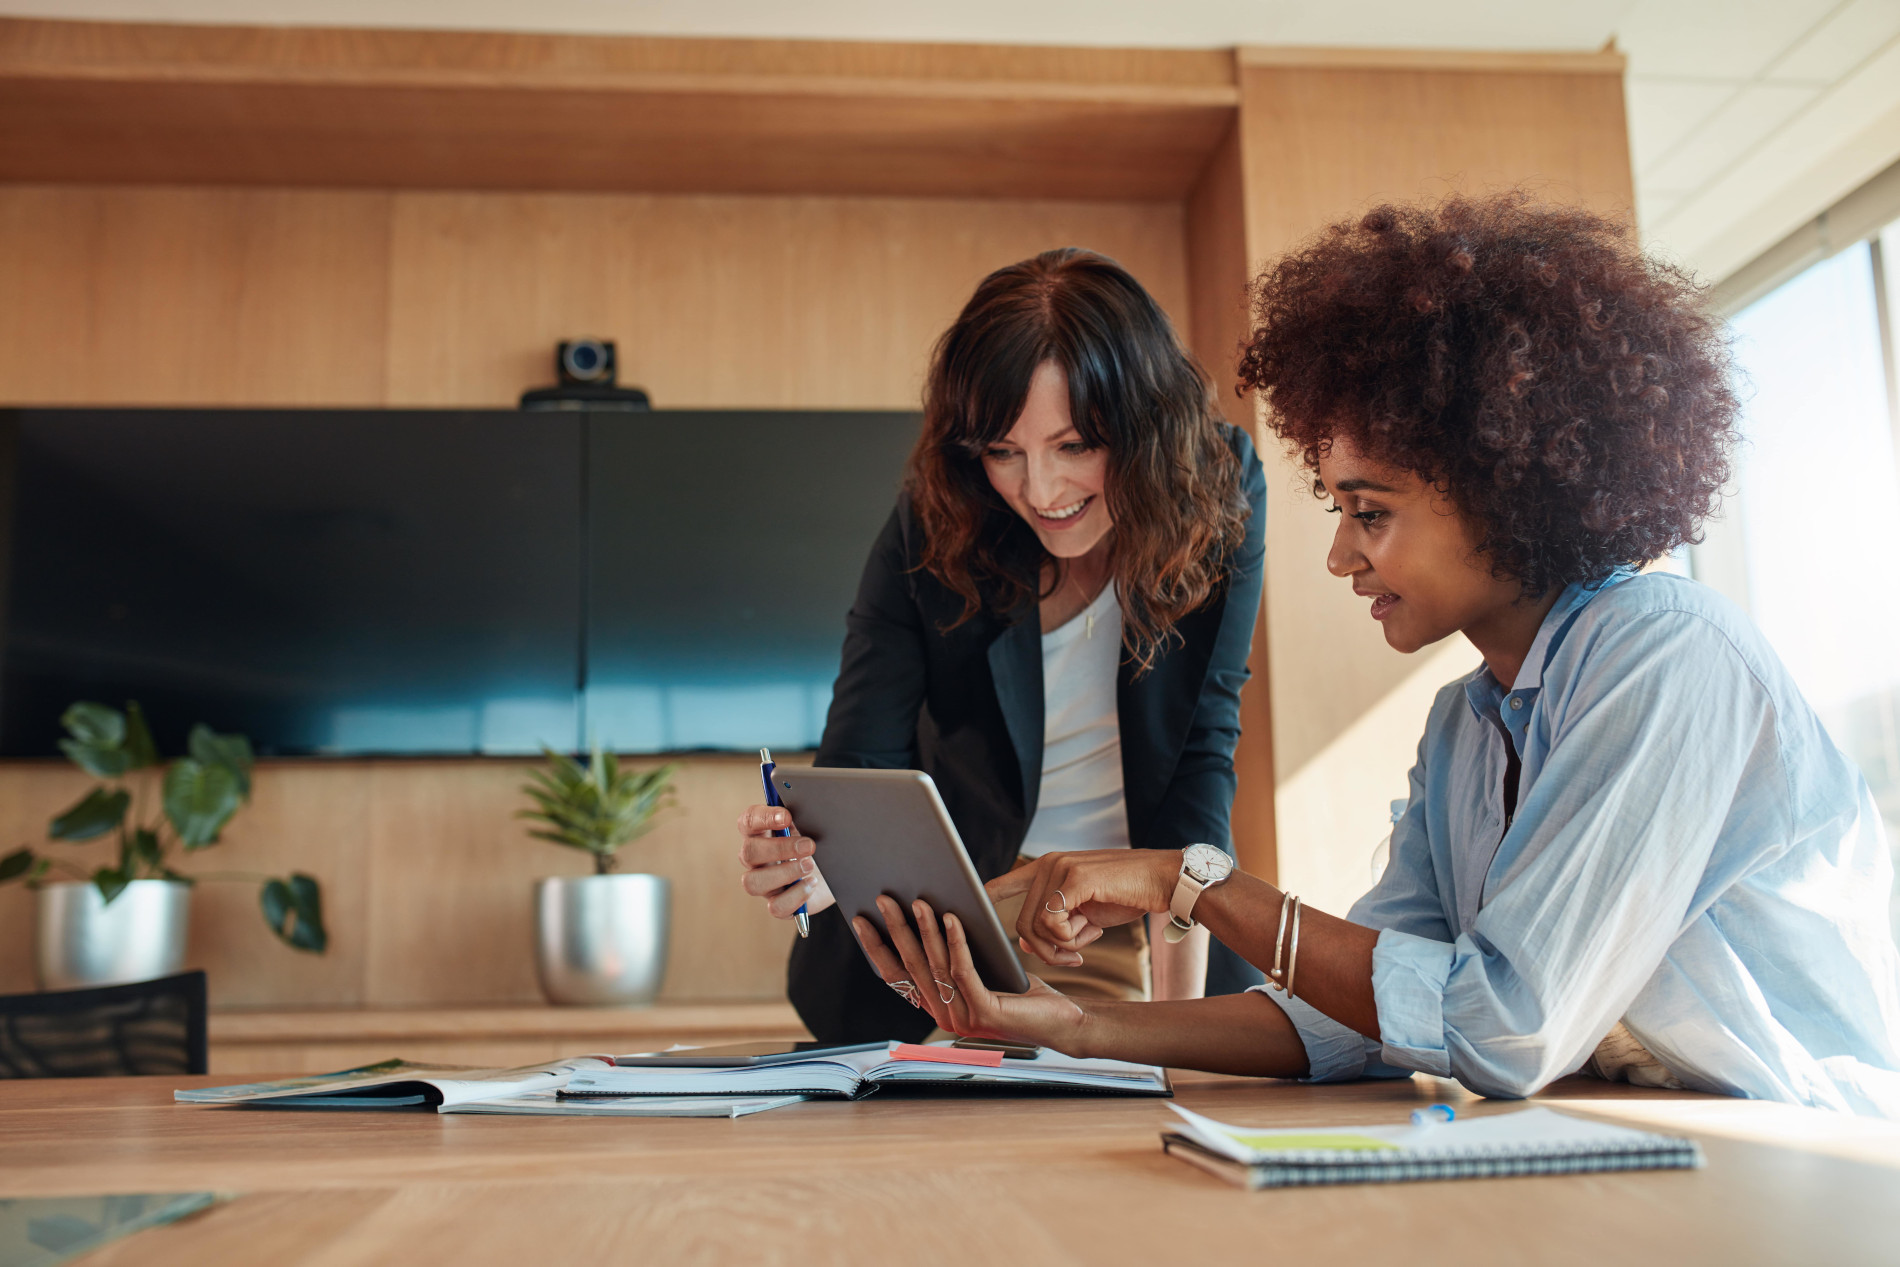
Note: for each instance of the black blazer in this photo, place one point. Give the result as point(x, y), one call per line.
point(965, 705)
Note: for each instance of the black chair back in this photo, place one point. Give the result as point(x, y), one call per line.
point(145, 1027)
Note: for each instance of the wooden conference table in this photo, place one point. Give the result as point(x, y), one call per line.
point(893, 1180)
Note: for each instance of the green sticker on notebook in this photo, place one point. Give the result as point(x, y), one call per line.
point(1332, 1140)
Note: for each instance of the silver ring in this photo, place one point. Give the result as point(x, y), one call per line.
point(905, 991)
point(943, 985)
point(1065, 904)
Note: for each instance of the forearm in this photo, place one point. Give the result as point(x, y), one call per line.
point(1177, 970)
point(1334, 966)
point(1101, 889)
point(1234, 1033)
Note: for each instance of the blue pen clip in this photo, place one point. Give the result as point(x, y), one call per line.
point(766, 767)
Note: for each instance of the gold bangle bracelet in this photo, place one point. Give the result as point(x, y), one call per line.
point(1293, 955)
point(1275, 978)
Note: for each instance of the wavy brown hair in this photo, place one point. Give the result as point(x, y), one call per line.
point(1173, 486)
point(1571, 395)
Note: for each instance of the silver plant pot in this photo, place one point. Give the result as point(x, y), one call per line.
point(85, 940)
point(601, 939)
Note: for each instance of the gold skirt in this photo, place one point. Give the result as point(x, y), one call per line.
point(1114, 967)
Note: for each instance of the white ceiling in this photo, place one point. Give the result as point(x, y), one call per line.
point(1747, 117)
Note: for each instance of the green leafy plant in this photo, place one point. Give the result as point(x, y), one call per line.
point(597, 807)
point(198, 795)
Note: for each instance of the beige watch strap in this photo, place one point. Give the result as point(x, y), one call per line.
point(1187, 891)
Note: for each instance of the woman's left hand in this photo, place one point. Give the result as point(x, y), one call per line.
point(935, 963)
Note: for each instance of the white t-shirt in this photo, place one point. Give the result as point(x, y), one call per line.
point(1080, 805)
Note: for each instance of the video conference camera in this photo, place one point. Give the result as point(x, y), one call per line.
point(587, 375)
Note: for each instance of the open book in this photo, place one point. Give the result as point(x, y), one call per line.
point(550, 1104)
point(393, 1084)
point(1527, 1142)
point(853, 1075)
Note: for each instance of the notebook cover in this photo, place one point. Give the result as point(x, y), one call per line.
point(1276, 1175)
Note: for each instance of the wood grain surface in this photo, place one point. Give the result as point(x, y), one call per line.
point(156, 288)
point(460, 110)
point(1323, 143)
point(720, 301)
point(428, 884)
point(55, 49)
point(180, 297)
point(1219, 278)
point(931, 1180)
point(203, 296)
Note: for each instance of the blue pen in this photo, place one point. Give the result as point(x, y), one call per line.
point(766, 766)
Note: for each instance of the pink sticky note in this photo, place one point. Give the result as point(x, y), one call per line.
point(948, 1055)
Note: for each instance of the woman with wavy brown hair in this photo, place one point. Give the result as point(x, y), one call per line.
point(1054, 624)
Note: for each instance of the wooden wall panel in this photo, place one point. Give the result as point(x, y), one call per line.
point(449, 903)
point(167, 296)
point(720, 301)
point(176, 296)
point(172, 296)
point(191, 296)
point(1321, 144)
point(314, 818)
point(126, 103)
point(1217, 258)
point(1216, 232)
point(427, 877)
point(120, 52)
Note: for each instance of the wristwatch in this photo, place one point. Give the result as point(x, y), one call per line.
point(1202, 867)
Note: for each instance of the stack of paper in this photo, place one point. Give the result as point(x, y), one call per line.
point(852, 1075)
point(550, 1104)
point(531, 1090)
point(1528, 1142)
point(392, 1084)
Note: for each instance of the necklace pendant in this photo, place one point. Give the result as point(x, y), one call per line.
point(1088, 625)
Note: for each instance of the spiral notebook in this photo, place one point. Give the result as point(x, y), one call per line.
point(1528, 1142)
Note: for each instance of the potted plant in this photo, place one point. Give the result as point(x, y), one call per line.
point(601, 938)
point(126, 921)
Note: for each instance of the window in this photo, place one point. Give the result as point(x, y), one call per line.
point(1811, 543)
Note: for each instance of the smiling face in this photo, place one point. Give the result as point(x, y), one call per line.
point(1407, 548)
point(1048, 475)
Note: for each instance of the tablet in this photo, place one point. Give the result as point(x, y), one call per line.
point(886, 832)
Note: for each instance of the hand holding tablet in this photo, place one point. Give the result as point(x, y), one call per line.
point(884, 834)
point(937, 958)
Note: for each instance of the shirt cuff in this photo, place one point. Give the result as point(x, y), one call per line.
point(1334, 1053)
point(1408, 985)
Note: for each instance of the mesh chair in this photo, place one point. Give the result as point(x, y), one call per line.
point(147, 1027)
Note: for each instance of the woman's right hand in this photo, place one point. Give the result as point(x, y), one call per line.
point(780, 869)
point(1070, 898)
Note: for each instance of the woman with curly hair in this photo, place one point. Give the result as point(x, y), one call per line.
point(1054, 623)
point(1630, 850)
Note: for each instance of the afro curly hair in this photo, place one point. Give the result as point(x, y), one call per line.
point(1569, 394)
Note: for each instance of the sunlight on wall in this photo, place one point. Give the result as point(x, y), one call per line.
point(1334, 810)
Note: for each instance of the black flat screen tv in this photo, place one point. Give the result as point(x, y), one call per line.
point(427, 582)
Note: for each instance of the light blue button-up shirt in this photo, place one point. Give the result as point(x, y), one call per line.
point(1691, 854)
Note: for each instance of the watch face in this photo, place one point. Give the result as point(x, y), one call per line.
point(1206, 863)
